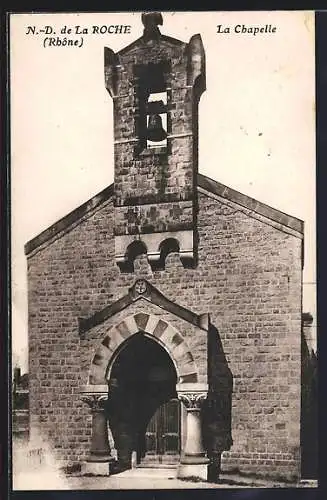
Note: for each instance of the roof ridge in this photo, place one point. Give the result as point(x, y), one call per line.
point(250, 203)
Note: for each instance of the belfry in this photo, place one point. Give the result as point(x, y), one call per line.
point(155, 141)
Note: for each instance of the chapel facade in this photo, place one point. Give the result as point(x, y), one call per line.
point(165, 312)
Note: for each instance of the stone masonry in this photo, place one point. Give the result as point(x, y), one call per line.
point(246, 279)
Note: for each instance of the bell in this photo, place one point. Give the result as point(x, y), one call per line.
point(156, 132)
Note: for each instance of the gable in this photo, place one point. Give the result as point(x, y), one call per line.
point(251, 206)
point(142, 290)
point(209, 186)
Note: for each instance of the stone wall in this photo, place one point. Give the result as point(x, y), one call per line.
point(248, 278)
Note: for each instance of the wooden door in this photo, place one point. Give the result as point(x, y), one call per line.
point(162, 436)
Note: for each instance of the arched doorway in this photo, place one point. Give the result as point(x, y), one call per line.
point(144, 414)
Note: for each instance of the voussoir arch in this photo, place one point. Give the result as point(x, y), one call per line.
point(160, 330)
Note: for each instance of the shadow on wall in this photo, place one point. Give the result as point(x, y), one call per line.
point(309, 409)
point(217, 413)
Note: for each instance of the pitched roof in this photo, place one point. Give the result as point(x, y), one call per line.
point(205, 183)
point(250, 203)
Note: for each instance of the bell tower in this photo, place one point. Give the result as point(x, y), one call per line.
point(156, 84)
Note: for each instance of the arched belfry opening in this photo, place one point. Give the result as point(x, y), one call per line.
point(143, 410)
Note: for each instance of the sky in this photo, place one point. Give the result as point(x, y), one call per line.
point(256, 122)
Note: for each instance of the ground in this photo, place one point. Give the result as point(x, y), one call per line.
point(154, 479)
point(34, 468)
point(139, 479)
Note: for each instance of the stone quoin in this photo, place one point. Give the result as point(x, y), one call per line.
point(165, 312)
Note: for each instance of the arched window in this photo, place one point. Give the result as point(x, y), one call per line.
point(152, 116)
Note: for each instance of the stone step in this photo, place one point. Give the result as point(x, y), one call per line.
point(148, 472)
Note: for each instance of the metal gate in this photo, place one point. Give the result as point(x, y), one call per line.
point(162, 436)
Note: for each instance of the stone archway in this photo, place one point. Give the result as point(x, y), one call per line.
point(189, 390)
point(162, 332)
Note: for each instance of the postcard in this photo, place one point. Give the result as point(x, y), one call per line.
point(163, 195)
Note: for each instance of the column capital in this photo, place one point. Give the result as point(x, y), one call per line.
point(95, 396)
point(95, 401)
point(192, 399)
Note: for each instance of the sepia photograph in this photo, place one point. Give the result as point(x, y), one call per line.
point(163, 250)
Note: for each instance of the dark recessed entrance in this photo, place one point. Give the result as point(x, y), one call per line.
point(144, 413)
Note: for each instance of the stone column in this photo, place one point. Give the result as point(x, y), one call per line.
point(194, 462)
point(98, 461)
